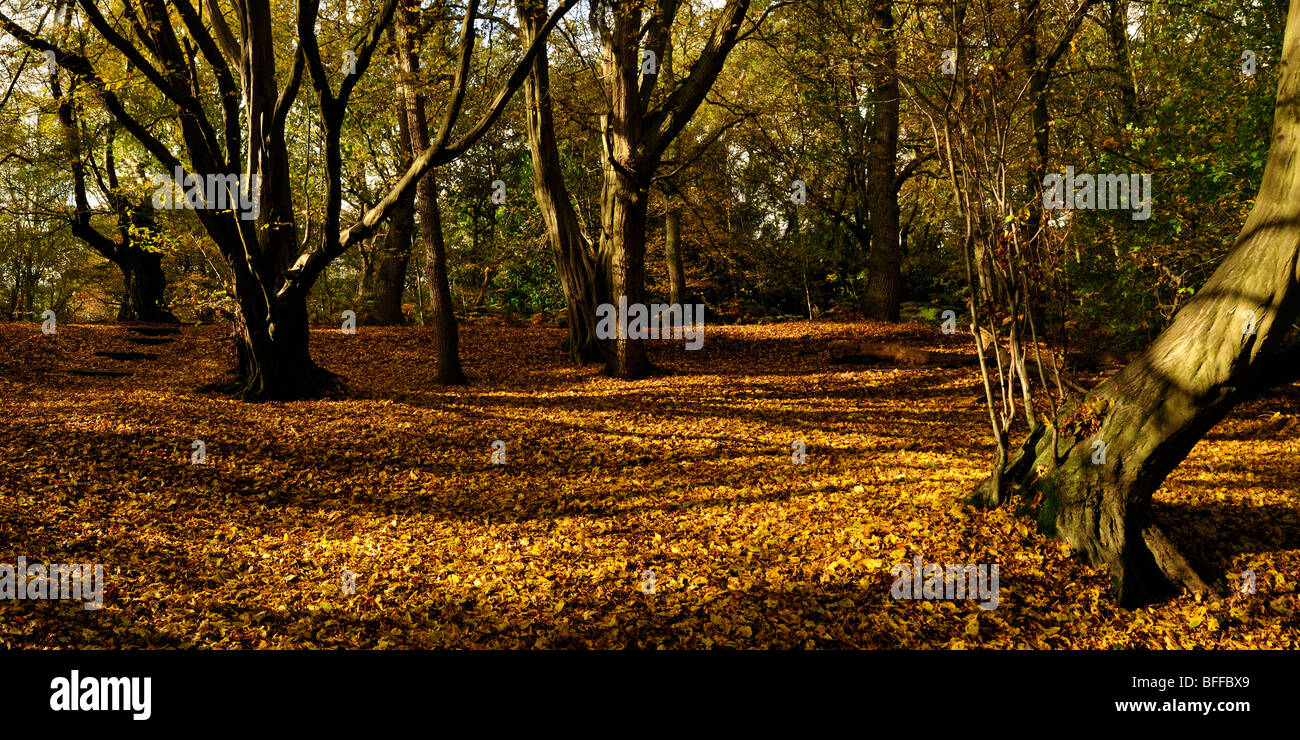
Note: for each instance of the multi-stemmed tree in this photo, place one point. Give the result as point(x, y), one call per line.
point(642, 117)
point(233, 78)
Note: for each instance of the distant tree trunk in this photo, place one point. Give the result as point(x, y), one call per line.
point(390, 272)
point(17, 291)
point(673, 216)
point(885, 277)
point(1039, 119)
point(444, 316)
point(1039, 68)
point(635, 132)
point(1117, 30)
point(673, 255)
point(1148, 416)
point(572, 249)
point(365, 270)
point(144, 285)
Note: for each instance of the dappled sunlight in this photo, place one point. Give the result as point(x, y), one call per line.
point(688, 474)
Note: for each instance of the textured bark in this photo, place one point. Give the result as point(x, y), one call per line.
point(273, 361)
point(635, 136)
point(885, 277)
point(1154, 410)
point(390, 272)
point(624, 202)
point(625, 192)
point(443, 316)
point(571, 247)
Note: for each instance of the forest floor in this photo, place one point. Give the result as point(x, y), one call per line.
point(688, 474)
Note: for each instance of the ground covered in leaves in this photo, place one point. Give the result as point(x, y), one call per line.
point(687, 474)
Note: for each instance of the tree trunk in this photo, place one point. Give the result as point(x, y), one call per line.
point(145, 285)
point(390, 273)
point(624, 192)
point(634, 137)
point(673, 255)
point(1149, 415)
point(622, 258)
point(885, 277)
point(1116, 21)
point(572, 249)
point(274, 363)
point(12, 313)
point(1041, 122)
point(673, 216)
point(444, 316)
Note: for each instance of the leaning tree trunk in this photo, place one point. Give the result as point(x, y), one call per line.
point(885, 277)
point(1090, 478)
point(572, 249)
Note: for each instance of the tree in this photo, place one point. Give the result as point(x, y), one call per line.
point(390, 270)
point(272, 273)
point(435, 249)
point(885, 277)
point(1089, 476)
point(133, 252)
point(637, 127)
